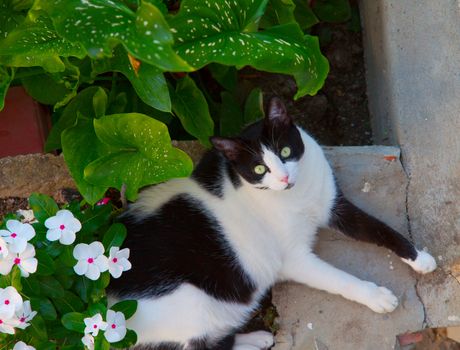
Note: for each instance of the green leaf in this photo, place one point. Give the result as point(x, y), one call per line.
point(114, 237)
point(6, 77)
point(80, 146)
point(103, 281)
point(190, 106)
point(37, 328)
point(35, 43)
point(83, 288)
point(99, 103)
point(231, 116)
point(254, 106)
point(54, 249)
point(66, 258)
point(73, 321)
point(224, 32)
point(129, 340)
point(304, 15)
point(128, 307)
point(65, 275)
point(44, 307)
point(96, 308)
point(92, 219)
point(12, 279)
point(81, 104)
point(288, 11)
point(141, 154)
point(43, 206)
point(148, 81)
point(46, 265)
point(69, 303)
point(51, 287)
point(31, 286)
point(48, 345)
point(101, 343)
point(225, 75)
point(10, 18)
point(333, 11)
point(100, 25)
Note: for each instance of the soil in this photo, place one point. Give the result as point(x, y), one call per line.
point(338, 114)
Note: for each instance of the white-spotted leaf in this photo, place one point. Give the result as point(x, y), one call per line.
point(100, 25)
point(226, 32)
point(140, 154)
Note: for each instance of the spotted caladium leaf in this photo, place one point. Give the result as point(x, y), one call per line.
point(148, 81)
point(140, 154)
point(286, 11)
point(35, 43)
point(100, 25)
point(225, 32)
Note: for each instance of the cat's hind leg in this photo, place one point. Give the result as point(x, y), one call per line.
point(305, 267)
point(355, 223)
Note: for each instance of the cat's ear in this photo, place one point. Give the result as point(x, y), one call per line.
point(230, 147)
point(277, 112)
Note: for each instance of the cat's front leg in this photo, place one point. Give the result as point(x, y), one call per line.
point(305, 267)
point(355, 223)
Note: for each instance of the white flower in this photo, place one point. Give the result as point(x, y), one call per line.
point(3, 249)
point(116, 326)
point(7, 325)
point(17, 235)
point(94, 324)
point(28, 215)
point(91, 261)
point(24, 315)
point(62, 227)
point(10, 302)
point(118, 261)
point(88, 341)
point(22, 346)
point(26, 262)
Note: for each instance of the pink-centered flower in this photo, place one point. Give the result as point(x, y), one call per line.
point(88, 341)
point(17, 235)
point(10, 303)
point(91, 260)
point(63, 227)
point(26, 262)
point(94, 324)
point(7, 325)
point(22, 346)
point(3, 249)
point(118, 261)
point(24, 315)
point(116, 326)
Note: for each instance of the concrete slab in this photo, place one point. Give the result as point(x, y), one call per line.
point(373, 178)
point(412, 58)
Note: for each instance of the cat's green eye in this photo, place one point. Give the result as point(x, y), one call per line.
point(260, 169)
point(285, 152)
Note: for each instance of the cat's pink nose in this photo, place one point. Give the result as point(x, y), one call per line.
point(285, 179)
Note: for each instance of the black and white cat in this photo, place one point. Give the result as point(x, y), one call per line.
point(205, 249)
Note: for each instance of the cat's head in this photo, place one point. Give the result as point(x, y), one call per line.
point(267, 153)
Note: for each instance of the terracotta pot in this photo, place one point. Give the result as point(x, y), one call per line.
point(24, 124)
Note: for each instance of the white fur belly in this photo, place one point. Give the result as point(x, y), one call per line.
point(185, 314)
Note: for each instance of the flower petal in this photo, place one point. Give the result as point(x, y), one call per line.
point(124, 253)
point(74, 225)
point(115, 270)
point(115, 335)
point(81, 267)
point(30, 265)
point(93, 272)
point(64, 214)
point(29, 252)
point(125, 264)
point(67, 237)
point(16, 245)
point(13, 225)
point(102, 263)
point(81, 251)
point(96, 248)
point(53, 222)
point(53, 234)
point(27, 231)
point(6, 265)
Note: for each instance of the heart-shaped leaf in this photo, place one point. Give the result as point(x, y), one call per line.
point(6, 76)
point(10, 18)
point(148, 81)
point(81, 146)
point(140, 154)
point(224, 32)
point(287, 11)
point(190, 106)
point(35, 43)
point(100, 25)
point(43, 206)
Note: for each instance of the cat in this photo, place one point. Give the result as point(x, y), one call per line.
point(206, 249)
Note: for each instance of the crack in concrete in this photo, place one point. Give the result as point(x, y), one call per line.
point(409, 231)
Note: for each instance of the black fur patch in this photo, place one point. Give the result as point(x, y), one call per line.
point(211, 172)
point(181, 243)
point(354, 222)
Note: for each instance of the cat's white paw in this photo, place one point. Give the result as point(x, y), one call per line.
point(259, 339)
point(424, 263)
point(245, 347)
point(380, 299)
